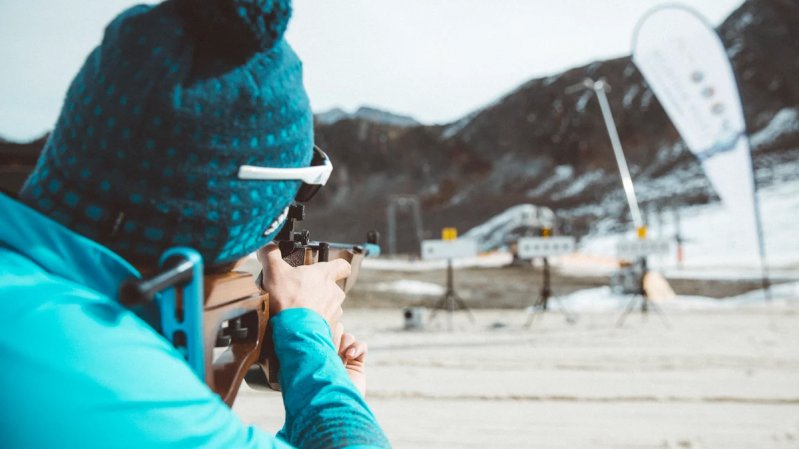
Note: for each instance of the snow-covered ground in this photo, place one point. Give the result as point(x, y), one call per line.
point(603, 299)
point(410, 287)
point(714, 246)
point(495, 259)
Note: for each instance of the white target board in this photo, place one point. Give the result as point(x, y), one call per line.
point(448, 249)
point(531, 247)
point(632, 249)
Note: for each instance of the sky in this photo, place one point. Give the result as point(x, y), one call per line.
point(436, 60)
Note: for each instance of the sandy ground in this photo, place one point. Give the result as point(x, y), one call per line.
point(517, 286)
point(726, 378)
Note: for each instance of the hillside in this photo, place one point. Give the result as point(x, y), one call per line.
point(17, 161)
point(539, 145)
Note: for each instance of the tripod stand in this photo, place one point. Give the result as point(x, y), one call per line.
point(641, 297)
point(541, 304)
point(450, 301)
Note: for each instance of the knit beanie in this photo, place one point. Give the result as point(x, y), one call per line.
point(154, 127)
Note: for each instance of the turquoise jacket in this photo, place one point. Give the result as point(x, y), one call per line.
point(79, 370)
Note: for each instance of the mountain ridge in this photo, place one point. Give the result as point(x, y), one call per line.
point(367, 113)
point(536, 144)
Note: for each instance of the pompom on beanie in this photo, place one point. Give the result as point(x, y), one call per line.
point(146, 150)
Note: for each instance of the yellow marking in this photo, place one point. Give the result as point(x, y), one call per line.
point(449, 234)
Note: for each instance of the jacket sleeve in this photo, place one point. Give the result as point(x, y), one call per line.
point(82, 371)
point(323, 407)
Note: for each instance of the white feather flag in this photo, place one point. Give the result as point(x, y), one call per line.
point(686, 65)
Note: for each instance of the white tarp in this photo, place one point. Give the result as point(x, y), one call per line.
point(686, 65)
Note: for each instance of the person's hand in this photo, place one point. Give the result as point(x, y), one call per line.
point(353, 355)
point(309, 286)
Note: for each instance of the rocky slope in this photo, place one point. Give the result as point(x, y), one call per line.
point(540, 145)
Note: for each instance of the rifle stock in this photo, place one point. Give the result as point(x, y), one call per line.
point(231, 297)
point(234, 299)
point(223, 332)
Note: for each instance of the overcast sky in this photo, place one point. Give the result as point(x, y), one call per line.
point(436, 60)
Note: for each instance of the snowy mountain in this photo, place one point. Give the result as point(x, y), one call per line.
point(331, 116)
point(365, 113)
point(540, 145)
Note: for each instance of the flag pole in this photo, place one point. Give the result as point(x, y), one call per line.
point(600, 87)
point(761, 239)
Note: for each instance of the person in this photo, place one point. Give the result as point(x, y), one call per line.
point(144, 157)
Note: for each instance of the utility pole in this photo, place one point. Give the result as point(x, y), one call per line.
point(402, 202)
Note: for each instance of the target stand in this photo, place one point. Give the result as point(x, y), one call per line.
point(449, 248)
point(529, 248)
point(541, 304)
point(450, 302)
point(639, 299)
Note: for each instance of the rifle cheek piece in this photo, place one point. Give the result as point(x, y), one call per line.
point(177, 289)
point(176, 271)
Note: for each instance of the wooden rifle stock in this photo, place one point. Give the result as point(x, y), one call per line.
point(236, 317)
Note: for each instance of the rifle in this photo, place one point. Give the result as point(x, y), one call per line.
point(221, 328)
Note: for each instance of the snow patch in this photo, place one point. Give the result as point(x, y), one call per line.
point(602, 299)
point(745, 20)
point(490, 260)
point(366, 113)
point(510, 225)
point(735, 49)
point(550, 79)
point(453, 129)
point(410, 287)
point(580, 184)
point(583, 101)
point(630, 95)
point(786, 121)
point(646, 99)
point(562, 173)
point(714, 246)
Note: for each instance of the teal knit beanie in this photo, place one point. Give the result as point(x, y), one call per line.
point(154, 127)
